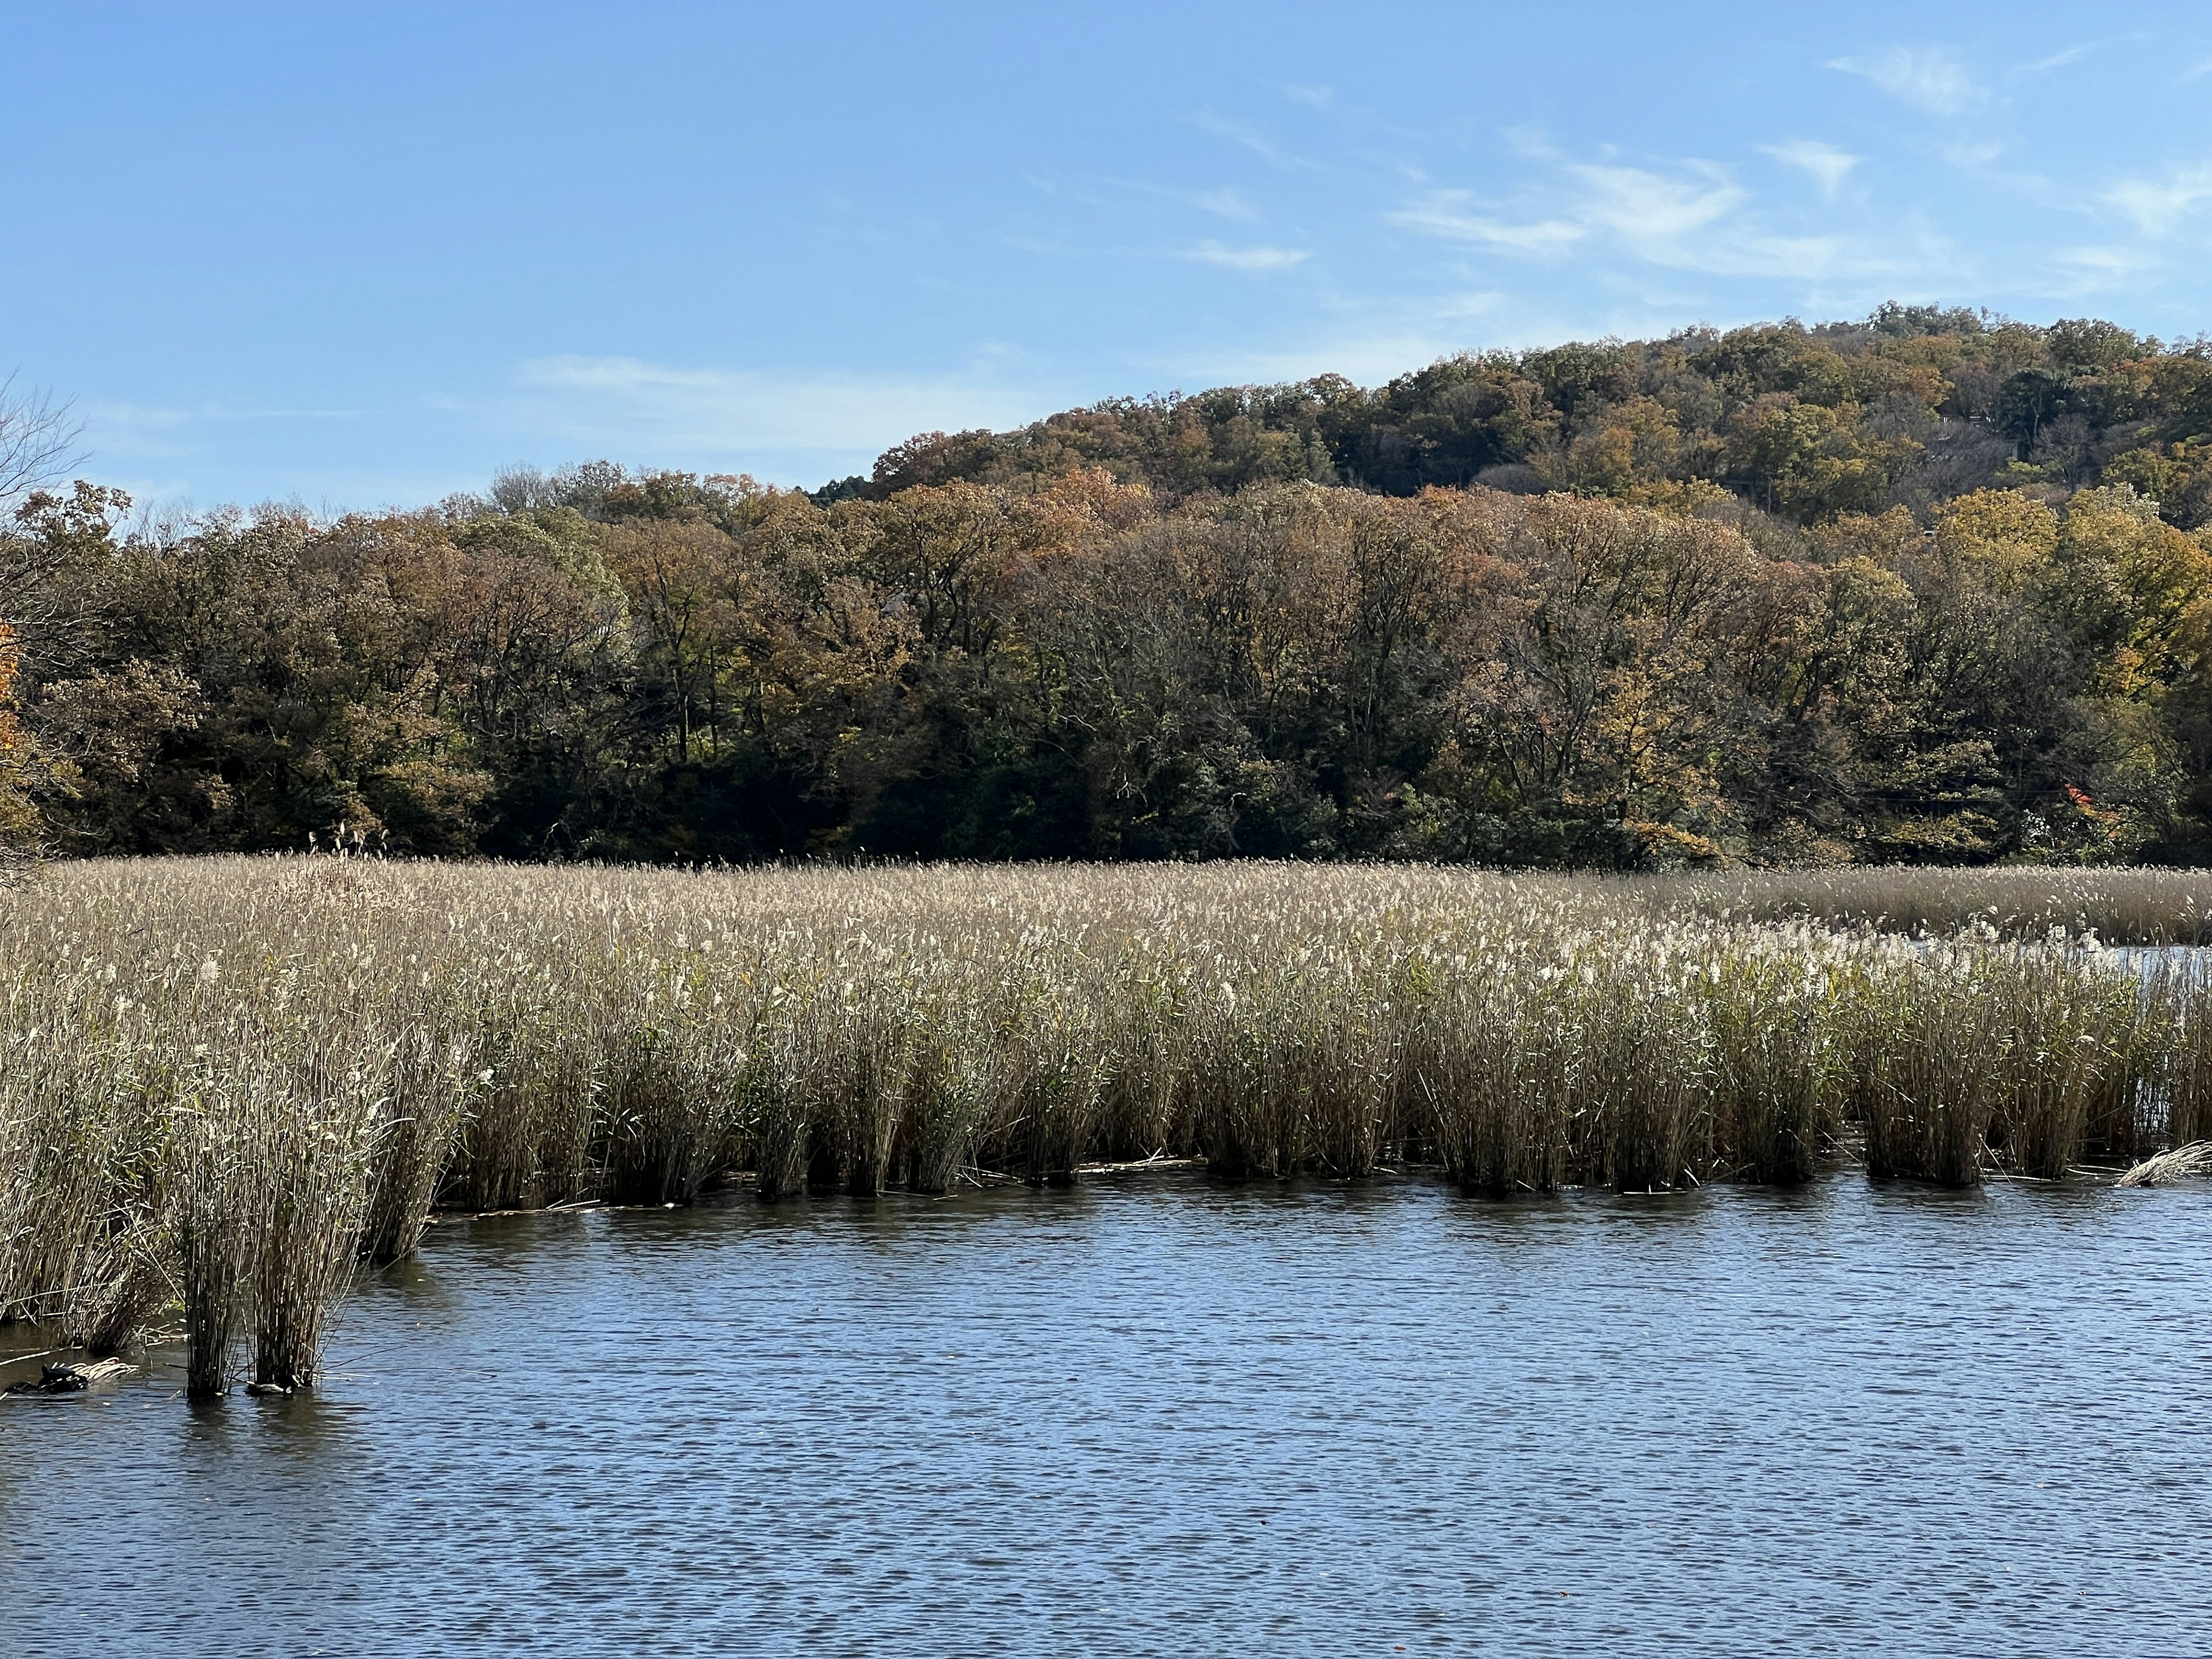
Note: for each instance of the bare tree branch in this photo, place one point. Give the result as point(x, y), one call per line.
point(38, 441)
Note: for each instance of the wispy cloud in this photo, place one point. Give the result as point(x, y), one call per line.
point(1827, 165)
point(1928, 78)
point(2105, 265)
point(2159, 205)
point(1447, 214)
point(152, 430)
point(1244, 133)
point(1245, 259)
point(1693, 216)
point(1654, 215)
point(629, 405)
point(1227, 203)
point(2057, 60)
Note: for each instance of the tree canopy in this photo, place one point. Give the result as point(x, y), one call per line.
point(1926, 586)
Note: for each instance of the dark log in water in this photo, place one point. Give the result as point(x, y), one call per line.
point(60, 1376)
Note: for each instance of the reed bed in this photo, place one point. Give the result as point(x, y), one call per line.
point(227, 1081)
point(2117, 904)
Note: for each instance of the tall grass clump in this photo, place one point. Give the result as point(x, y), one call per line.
point(1930, 1026)
point(2186, 1080)
point(1488, 1059)
point(2065, 1041)
point(1644, 1120)
point(319, 1119)
point(1773, 1057)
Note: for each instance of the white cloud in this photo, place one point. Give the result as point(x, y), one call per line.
point(1653, 214)
point(1444, 213)
point(629, 405)
point(140, 429)
point(1973, 155)
point(2057, 60)
point(1928, 78)
point(1692, 218)
point(1228, 203)
point(2158, 205)
point(1243, 133)
point(1827, 165)
point(2100, 266)
point(1245, 259)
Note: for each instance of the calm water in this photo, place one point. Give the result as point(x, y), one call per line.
point(1161, 1417)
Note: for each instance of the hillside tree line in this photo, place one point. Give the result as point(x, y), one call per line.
point(1928, 587)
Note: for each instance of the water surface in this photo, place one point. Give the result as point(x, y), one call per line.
point(1159, 1415)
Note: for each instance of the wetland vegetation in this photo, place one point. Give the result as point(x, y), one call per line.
point(1774, 628)
point(227, 1081)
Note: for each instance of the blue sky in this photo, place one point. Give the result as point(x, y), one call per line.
point(365, 256)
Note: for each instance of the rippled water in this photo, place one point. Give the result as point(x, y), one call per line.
point(1158, 1416)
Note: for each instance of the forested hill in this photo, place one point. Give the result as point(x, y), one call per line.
point(1912, 407)
point(1921, 587)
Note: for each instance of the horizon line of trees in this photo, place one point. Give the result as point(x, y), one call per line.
point(1924, 587)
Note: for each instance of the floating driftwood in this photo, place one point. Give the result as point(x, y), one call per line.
point(59, 1376)
point(1136, 1165)
point(2190, 1163)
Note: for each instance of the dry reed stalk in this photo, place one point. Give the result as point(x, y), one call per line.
point(529, 1140)
point(2136, 1038)
point(1646, 1125)
point(1488, 1057)
point(213, 1237)
point(954, 1077)
point(1246, 1112)
point(2120, 905)
point(433, 1081)
point(2190, 1163)
point(2188, 1077)
point(1145, 1095)
point(1930, 1093)
point(2066, 1040)
point(315, 1125)
point(1049, 1096)
point(1773, 1059)
point(786, 1095)
point(678, 1082)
